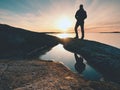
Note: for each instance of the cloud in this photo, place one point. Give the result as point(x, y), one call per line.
point(100, 12)
point(45, 17)
point(40, 15)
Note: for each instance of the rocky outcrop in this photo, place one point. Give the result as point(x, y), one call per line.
point(21, 43)
point(104, 58)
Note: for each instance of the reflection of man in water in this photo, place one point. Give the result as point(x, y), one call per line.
point(80, 16)
point(79, 65)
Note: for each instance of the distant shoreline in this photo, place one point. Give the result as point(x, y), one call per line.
point(109, 32)
point(73, 32)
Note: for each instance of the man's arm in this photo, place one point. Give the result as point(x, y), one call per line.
point(76, 15)
point(85, 15)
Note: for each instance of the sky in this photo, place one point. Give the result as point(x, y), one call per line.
point(52, 15)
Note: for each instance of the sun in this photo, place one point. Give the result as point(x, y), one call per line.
point(64, 23)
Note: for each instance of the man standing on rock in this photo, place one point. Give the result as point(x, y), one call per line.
point(80, 16)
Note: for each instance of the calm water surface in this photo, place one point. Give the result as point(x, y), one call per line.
point(58, 53)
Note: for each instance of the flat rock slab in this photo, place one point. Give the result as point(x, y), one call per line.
point(37, 74)
point(104, 58)
point(44, 75)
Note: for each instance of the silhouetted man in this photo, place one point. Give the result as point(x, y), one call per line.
point(80, 16)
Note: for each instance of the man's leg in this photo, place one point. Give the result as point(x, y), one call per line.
point(82, 31)
point(76, 31)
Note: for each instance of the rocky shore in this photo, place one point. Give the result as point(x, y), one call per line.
point(104, 58)
point(44, 75)
point(21, 69)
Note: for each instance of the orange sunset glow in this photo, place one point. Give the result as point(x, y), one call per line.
point(59, 15)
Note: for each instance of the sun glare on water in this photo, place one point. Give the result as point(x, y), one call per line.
point(64, 35)
point(64, 24)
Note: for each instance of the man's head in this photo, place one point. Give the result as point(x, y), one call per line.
point(81, 6)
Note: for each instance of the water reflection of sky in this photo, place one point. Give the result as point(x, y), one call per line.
point(58, 53)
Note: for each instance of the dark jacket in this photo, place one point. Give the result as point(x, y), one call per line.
point(81, 15)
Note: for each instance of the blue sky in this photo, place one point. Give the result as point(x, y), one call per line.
point(44, 15)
